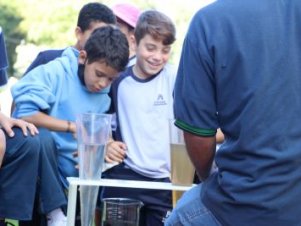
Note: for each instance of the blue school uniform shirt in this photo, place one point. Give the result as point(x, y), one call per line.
point(56, 89)
point(240, 70)
point(44, 57)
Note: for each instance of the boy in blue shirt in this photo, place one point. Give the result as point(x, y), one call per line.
point(91, 16)
point(53, 94)
point(142, 100)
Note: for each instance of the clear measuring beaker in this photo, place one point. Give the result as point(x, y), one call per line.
point(93, 132)
point(120, 212)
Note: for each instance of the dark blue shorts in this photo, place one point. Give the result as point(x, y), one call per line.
point(18, 176)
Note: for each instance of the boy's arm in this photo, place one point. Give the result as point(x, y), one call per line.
point(41, 119)
point(36, 92)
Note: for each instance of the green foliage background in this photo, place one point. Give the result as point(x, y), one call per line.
point(51, 23)
point(10, 21)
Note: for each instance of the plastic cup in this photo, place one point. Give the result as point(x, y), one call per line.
point(93, 132)
point(182, 169)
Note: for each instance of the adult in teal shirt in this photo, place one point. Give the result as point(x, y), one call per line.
point(240, 70)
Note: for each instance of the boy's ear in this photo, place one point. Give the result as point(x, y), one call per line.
point(82, 57)
point(132, 43)
point(79, 37)
point(78, 33)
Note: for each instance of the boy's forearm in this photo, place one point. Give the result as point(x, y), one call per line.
point(41, 119)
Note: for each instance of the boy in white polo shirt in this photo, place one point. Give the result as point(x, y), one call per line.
point(142, 99)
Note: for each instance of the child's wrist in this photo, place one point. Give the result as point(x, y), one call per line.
point(110, 141)
point(68, 130)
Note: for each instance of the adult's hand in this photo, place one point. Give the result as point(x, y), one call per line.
point(7, 124)
point(2, 146)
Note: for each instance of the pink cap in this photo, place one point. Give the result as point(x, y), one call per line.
point(128, 13)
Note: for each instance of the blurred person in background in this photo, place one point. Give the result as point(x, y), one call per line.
point(127, 16)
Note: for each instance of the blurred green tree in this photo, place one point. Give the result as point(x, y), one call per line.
point(51, 24)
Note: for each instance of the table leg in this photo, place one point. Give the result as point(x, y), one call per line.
point(72, 193)
point(176, 195)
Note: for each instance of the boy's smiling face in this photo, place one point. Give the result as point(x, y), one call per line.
point(152, 55)
point(97, 75)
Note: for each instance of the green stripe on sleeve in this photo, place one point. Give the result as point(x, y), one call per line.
point(194, 130)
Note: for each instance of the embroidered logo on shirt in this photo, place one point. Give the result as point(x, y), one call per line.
point(160, 101)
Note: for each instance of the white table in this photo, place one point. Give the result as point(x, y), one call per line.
point(75, 182)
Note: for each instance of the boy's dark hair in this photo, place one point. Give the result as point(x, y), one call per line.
point(94, 12)
point(110, 45)
point(157, 25)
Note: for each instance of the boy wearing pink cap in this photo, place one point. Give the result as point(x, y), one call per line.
point(127, 16)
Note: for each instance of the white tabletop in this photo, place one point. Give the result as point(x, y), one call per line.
point(74, 182)
point(128, 184)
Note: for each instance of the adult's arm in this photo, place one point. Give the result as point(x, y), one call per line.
point(2, 146)
point(201, 151)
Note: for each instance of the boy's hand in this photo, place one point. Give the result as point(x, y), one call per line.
point(115, 152)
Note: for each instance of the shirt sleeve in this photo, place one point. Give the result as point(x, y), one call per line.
point(195, 95)
point(36, 91)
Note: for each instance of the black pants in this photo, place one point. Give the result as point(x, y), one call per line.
point(18, 176)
